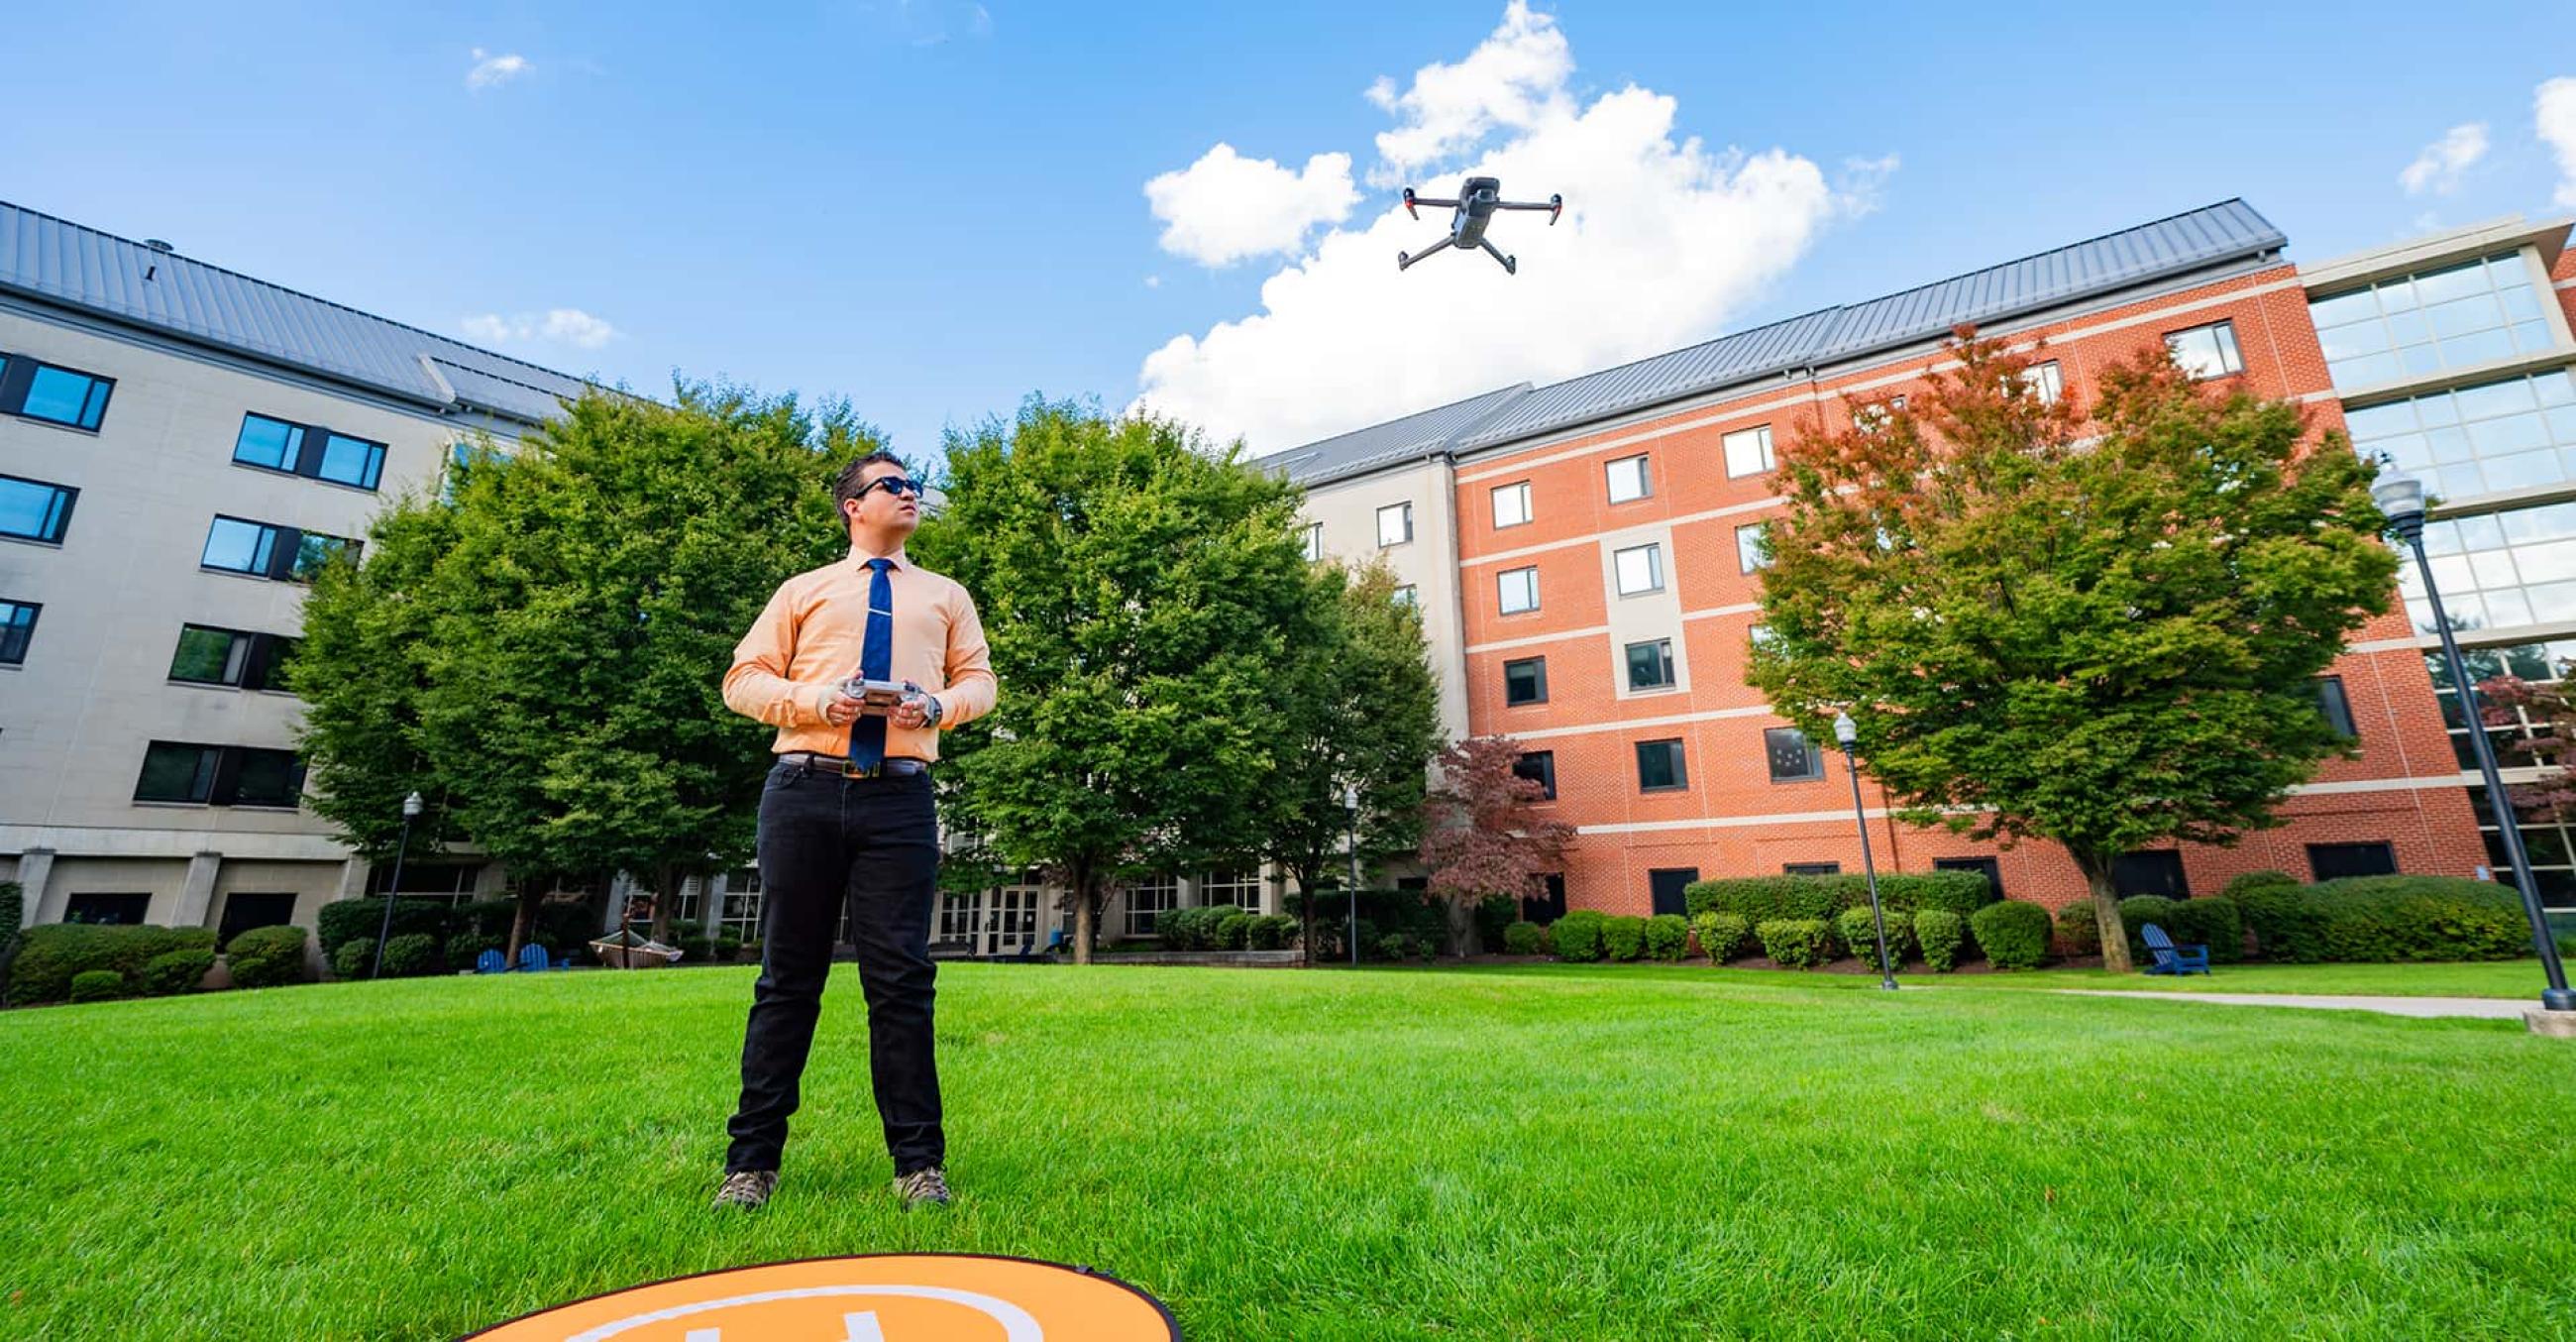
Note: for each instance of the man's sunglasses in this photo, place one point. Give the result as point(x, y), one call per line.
point(892, 484)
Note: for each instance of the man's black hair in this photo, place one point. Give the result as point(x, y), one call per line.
point(853, 477)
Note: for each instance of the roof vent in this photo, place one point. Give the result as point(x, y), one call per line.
point(158, 245)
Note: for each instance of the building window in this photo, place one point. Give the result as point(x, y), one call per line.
point(2334, 707)
point(2498, 570)
point(17, 627)
point(2416, 324)
point(1990, 868)
point(1748, 451)
point(1403, 596)
point(1628, 479)
point(1314, 541)
point(2549, 842)
point(1793, 758)
point(1640, 568)
point(2538, 663)
point(265, 551)
point(1519, 589)
point(1525, 682)
point(1148, 900)
point(1659, 766)
point(1650, 665)
point(1811, 868)
point(35, 511)
point(2335, 861)
point(2044, 379)
point(1394, 524)
point(177, 771)
point(121, 908)
point(2206, 351)
point(246, 909)
point(2516, 433)
point(739, 915)
point(308, 450)
point(1240, 888)
point(450, 881)
point(65, 396)
point(1511, 504)
point(212, 656)
point(1538, 766)
point(2155, 873)
point(1752, 547)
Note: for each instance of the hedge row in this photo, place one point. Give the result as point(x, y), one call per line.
point(563, 927)
point(2381, 919)
point(1224, 927)
point(1760, 899)
point(51, 956)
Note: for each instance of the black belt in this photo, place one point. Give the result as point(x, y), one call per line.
point(893, 767)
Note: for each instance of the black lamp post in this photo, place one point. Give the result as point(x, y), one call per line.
point(2401, 499)
point(1351, 803)
point(1846, 733)
point(411, 811)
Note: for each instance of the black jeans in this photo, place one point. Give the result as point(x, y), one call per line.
point(871, 845)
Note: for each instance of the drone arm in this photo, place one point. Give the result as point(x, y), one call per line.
point(1426, 200)
point(1554, 205)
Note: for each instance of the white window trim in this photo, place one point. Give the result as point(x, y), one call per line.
point(1501, 590)
point(1405, 510)
point(1762, 432)
point(1654, 552)
point(1521, 489)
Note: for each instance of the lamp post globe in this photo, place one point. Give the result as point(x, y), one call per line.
point(2401, 500)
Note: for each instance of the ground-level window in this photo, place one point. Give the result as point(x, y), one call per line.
point(1667, 889)
point(2334, 861)
point(1987, 867)
point(1148, 900)
point(123, 907)
point(246, 909)
point(1811, 868)
point(1549, 906)
point(2155, 873)
point(1240, 888)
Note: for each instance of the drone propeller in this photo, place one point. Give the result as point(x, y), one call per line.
point(1408, 203)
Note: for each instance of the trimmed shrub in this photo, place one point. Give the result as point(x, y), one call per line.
point(2079, 928)
point(1271, 932)
point(411, 955)
point(345, 920)
point(1760, 899)
point(268, 957)
point(1623, 937)
point(13, 910)
point(1722, 936)
point(2013, 934)
point(352, 961)
point(1520, 939)
point(2259, 880)
point(1578, 936)
point(2380, 919)
point(97, 985)
point(2216, 922)
point(465, 948)
point(1795, 943)
point(1667, 936)
point(2139, 910)
point(2289, 924)
point(1234, 932)
point(175, 972)
point(1397, 946)
point(1940, 933)
point(1547, 941)
point(1859, 934)
point(49, 957)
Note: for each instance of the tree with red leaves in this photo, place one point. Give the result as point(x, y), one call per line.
point(1482, 834)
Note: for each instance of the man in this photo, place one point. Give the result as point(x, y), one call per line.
point(846, 821)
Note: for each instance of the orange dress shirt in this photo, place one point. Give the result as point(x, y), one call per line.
point(808, 641)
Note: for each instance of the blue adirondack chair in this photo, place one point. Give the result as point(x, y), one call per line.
point(1030, 952)
point(532, 958)
point(491, 962)
point(2170, 958)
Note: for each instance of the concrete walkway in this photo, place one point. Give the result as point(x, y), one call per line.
point(2491, 1008)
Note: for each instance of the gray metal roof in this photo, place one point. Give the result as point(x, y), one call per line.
point(1421, 434)
point(66, 264)
point(2219, 235)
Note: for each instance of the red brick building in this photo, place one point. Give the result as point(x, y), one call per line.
point(1600, 566)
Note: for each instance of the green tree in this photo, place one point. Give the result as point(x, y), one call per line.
point(362, 669)
point(566, 616)
point(2094, 629)
point(1140, 594)
point(1364, 714)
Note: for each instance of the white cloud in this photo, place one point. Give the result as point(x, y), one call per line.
point(1664, 239)
point(557, 326)
point(1226, 208)
point(492, 71)
point(2553, 106)
point(1153, 281)
point(2439, 167)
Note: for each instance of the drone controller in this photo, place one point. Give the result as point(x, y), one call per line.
point(878, 698)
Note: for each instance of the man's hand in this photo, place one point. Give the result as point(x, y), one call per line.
point(915, 712)
point(839, 710)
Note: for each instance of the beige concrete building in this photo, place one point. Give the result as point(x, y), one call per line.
point(178, 446)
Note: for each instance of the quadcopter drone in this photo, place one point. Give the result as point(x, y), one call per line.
point(1478, 198)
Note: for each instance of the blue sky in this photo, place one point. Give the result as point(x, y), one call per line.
point(935, 209)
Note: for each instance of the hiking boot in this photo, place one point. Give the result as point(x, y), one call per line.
point(746, 1190)
point(923, 1188)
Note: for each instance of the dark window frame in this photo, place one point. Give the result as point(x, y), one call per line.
point(73, 906)
point(1544, 775)
point(1679, 758)
point(1990, 868)
point(17, 634)
point(308, 449)
point(58, 518)
point(2131, 873)
point(1679, 900)
point(215, 778)
point(2335, 704)
point(1664, 658)
point(1771, 756)
point(18, 377)
point(1540, 697)
point(261, 661)
point(285, 550)
point(2318, 870)
point(2231, 347)
point(1811, 868)
point(237, 914)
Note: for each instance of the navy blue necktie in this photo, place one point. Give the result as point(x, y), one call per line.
point(876, 662)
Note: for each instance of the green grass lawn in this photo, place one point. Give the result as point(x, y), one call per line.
point(1538, 1153)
